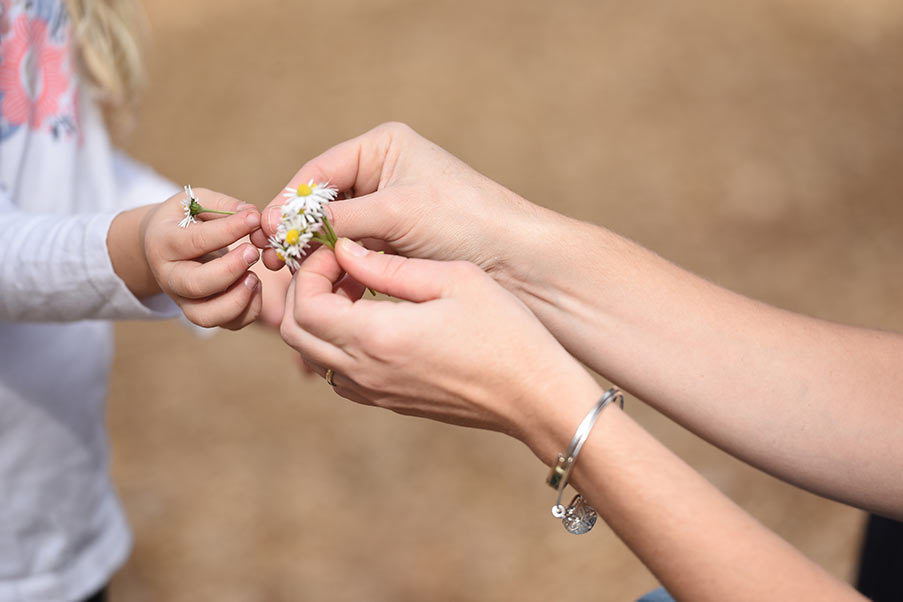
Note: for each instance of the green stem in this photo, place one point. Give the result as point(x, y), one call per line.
point(205, 210)
point(332, 240)
point(330, 231)
point(324, 240)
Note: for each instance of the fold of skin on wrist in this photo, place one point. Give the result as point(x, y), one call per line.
point(805, 400)
point(125, 245)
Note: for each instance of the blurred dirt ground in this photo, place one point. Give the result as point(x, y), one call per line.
point(757, 144)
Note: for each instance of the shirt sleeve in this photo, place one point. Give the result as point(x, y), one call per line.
point(137, 184)
point(56, 268)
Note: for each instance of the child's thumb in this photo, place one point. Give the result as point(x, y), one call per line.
point(410, 279)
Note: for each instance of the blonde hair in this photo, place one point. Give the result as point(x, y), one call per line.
point(110, 36)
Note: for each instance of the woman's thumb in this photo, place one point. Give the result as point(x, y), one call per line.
point(410, 279)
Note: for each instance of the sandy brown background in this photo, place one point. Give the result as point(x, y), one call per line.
point(757, 144)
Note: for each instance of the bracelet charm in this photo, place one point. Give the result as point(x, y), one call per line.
point(578, 518)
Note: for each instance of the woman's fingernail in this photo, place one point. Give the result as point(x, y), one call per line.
point(352, 248)
point(251, 281)
point(250, 255)
point(271, 216)
point(253, 219)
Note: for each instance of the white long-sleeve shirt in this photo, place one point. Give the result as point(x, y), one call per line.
point(62, 530)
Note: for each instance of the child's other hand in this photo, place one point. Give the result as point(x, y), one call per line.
point(212, 285)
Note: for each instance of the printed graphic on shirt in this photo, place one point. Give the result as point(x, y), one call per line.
point(36, 83)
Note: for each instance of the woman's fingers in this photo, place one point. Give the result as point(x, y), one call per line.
point(342, 384)
point(355, 164)
point(314, 350)
point(350, 288)
point(415, 280)
point(315, 307)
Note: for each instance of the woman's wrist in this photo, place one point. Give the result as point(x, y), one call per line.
point(125, 245)
point(552, 259)
point(551, 412)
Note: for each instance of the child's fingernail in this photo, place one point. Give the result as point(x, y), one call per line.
point(253, 219)
point(251, 281)
point(352, 248)
point(251, 255)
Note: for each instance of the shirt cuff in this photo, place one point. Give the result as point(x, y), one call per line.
point(119, 302)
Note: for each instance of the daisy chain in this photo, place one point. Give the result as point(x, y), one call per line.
point(303, 220)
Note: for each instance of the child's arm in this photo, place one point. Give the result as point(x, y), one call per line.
point(152, 254)
point(56, 268)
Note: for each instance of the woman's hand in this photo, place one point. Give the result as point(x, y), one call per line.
point(417, 200)
point(458, 348)
point(214, 287)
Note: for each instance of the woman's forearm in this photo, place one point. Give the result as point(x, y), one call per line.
point(815, 403)
point(696, 541)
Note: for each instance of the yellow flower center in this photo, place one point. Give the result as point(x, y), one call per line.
point(280, 256)
point(292, 236)
point(304, 189)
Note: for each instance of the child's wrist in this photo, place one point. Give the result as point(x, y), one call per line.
point(125, 245)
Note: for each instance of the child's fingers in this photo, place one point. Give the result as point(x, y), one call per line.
point(208, 236)
point(193, 280)
point(250, 314)
point(223, 308)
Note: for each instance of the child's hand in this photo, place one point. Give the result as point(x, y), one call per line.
point(211, 284)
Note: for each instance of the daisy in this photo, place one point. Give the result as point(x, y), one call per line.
point(188, 203)
point(303, 220)
point(292, 237)
point(315, 190)
point(192, 208)
point(309, 199)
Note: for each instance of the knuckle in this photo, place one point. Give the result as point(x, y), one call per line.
point(396, 128)
point(382, 343)
point(237, 225)
point(198, 241)
point(192, 288)
point(287, 330)
point(199, 317)
point(234, 263)
point(372, 380)
point(395, 267)
point(392, 207)
point(238, 299)
point(466, 271)
point(300, 315)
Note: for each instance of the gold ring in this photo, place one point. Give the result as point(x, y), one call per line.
point(330, 374)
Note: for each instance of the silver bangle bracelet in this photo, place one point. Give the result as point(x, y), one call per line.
point(579, 516)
